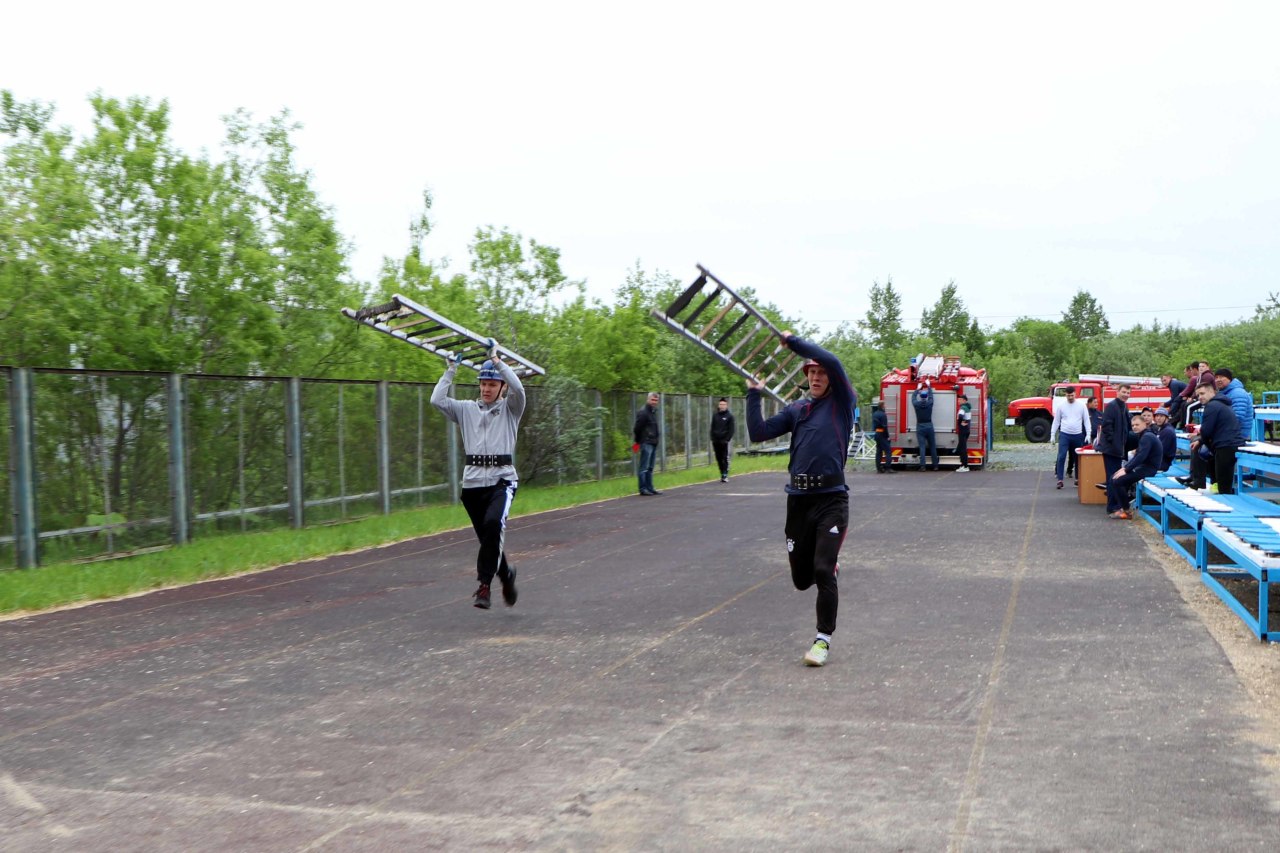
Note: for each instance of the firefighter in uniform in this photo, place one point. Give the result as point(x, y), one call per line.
point(488, 426)
point(817, 497)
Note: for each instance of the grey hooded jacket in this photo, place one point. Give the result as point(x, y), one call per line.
point(487, 429)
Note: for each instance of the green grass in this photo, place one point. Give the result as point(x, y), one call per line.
point(57, 584)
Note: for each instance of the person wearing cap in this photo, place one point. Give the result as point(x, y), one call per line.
point(1168, 437)
point(820, 424)
point(1071, 428)
point(488, 426)
point(880, 429)
point(922, 402)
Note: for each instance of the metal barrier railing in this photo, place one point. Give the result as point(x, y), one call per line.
point(102, 463)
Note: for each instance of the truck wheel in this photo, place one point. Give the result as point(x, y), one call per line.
point(1037, 430)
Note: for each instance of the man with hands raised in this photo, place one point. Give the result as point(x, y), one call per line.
point(488, 426)
point(817, 498)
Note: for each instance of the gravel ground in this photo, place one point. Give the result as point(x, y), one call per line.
point(1021, 456)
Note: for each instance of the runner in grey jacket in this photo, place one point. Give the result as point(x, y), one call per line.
point(489, 480)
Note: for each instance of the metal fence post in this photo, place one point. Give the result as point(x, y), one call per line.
point(293, 450)
point(22, 468)
point(711, 409)
point(384, 447)
point(635, 456)
point(664, 434)
point(599, 436)
point(688, 430)
point(178, 495)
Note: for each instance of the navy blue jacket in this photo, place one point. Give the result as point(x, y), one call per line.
point(1115, 429)
point(880, 425)
point(820, 429)
point(923, 406)
point(1220, 426)
point(1175, 391)
point(1148, 457)
point(1169, 444)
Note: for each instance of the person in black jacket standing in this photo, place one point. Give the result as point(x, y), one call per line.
point(647, 432)
point(1220, 435)
point(1114, 436)
point(722, 430)
point(880, 429)
point(817, 497)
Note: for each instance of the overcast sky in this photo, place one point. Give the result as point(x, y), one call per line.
point(1025, 150)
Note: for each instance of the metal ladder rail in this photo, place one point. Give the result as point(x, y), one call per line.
point(436, 334)
point(774, 366)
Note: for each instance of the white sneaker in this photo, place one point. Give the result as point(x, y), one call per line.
point(962, 469)
point(817, 655)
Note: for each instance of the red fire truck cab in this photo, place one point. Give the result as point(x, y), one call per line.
point(948, 378)
point(1035, 414)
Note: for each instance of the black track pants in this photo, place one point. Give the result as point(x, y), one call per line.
point(488, 507)
point(722, 456)
point(816, 526)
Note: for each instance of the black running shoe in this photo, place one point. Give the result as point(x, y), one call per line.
point(509, 593)
point(482, 597)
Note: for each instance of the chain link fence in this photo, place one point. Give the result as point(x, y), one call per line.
point(102, 463)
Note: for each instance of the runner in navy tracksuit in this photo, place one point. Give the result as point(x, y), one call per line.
point(817, 497)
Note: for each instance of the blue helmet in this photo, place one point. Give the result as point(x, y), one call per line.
point(489, 370)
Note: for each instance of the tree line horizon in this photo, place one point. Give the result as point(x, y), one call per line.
point(119, 251)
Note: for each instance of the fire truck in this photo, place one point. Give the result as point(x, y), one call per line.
point(947, 378)
point(1035, 414)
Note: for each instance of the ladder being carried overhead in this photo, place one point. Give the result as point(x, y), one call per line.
point(714, 317)
point(414, 323)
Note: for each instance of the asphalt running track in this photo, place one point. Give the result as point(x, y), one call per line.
point(998, 681)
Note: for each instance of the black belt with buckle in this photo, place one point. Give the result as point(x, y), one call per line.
point(490, 461)
point(809, 482)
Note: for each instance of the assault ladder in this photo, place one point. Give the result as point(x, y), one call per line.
point(416, 324)
point(714, 317)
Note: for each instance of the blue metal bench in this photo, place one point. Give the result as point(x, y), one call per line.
point(1258, 468)
point(1251, 547)
point(1183, 513)
point(1150, 497)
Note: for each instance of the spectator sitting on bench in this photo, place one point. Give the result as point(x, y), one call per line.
point(1144, 462)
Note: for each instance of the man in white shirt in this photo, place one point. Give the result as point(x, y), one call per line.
point(1071, 428)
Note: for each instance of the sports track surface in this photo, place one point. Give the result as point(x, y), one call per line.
point(1011, 671)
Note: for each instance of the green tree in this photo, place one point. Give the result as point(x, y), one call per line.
point(1085, 317)
point(309, 273)
point(948, 322)
point(1269, 309)
point(882, 323)
point(1053, 346)
point(43, 205)
point(515, 282)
